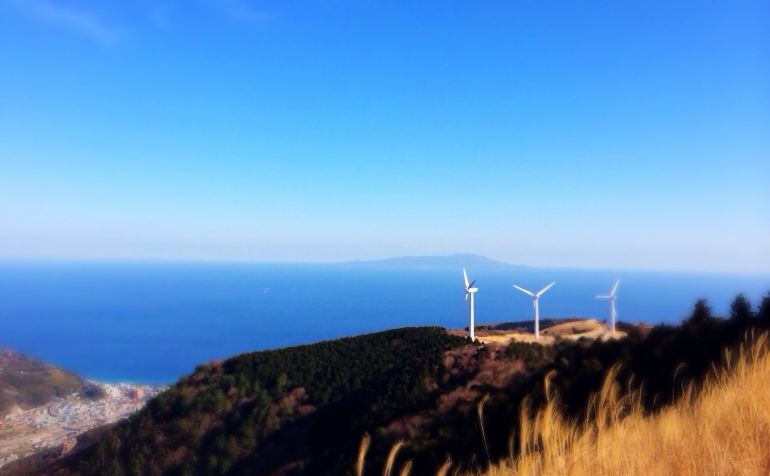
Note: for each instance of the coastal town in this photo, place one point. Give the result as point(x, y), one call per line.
point(58, 423)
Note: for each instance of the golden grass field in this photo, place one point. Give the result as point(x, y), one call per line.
point(723, 430)
point(573, 329)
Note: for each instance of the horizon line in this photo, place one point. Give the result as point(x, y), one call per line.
point(243, 261)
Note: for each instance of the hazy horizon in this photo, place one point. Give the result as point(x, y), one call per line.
point(42, 261)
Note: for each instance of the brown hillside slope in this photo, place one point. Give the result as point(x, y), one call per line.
point(724, 430)
point(26, 382)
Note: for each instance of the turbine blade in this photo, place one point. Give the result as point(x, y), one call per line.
point(523, 290)
point(466, 295)
point(603, 296)
point(471, 285)
point(545, 289)
point(465, 275)
point(614, 288)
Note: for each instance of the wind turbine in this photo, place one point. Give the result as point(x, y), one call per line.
point(535, 298)
point(611, 297)
point(470, 290)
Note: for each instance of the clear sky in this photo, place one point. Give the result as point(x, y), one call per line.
point(623, 133)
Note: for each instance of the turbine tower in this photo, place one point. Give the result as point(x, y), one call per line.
point(535, 298)
point(611, 297)
point(470, 290)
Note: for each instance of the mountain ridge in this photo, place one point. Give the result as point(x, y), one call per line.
point(453, 261)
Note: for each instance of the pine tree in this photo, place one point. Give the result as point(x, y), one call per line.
point(701, 313)
point(764, 310)
point(740, 310)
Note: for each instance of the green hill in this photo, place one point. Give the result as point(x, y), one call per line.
point(26, 382)
point(294, 407)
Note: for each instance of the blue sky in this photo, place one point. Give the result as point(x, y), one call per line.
point(620, 134)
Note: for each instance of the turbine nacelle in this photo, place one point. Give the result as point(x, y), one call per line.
point(535, 299)
point(611, 296)
point(537, 294)
point(614, 288)
point(469, 290)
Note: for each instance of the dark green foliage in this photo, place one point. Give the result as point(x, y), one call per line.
point(533, 355)
point(740, 310)
point(212, 420)
point(763, 314)
point(701, 314)
point(93, 392)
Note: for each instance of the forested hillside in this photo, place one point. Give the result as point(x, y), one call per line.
point(217, 419)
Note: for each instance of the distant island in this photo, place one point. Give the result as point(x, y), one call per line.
point(456, 261)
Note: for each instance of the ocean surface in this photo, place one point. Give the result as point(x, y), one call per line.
point(154, 322)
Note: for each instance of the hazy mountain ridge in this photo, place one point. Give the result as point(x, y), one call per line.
point(456, 261)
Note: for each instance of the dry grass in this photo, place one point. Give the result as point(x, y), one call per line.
point(444, 468)
point(365, 440)
point(572, 329)
point(723, 430)
point(392, 457)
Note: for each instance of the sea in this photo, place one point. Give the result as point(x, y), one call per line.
point(154, 322)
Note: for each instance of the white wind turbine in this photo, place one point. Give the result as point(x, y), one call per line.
point(470, 290)
point(611, 297)
point(535, 298)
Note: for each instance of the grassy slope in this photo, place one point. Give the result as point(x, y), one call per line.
point(723, 430)
point(27, 382)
